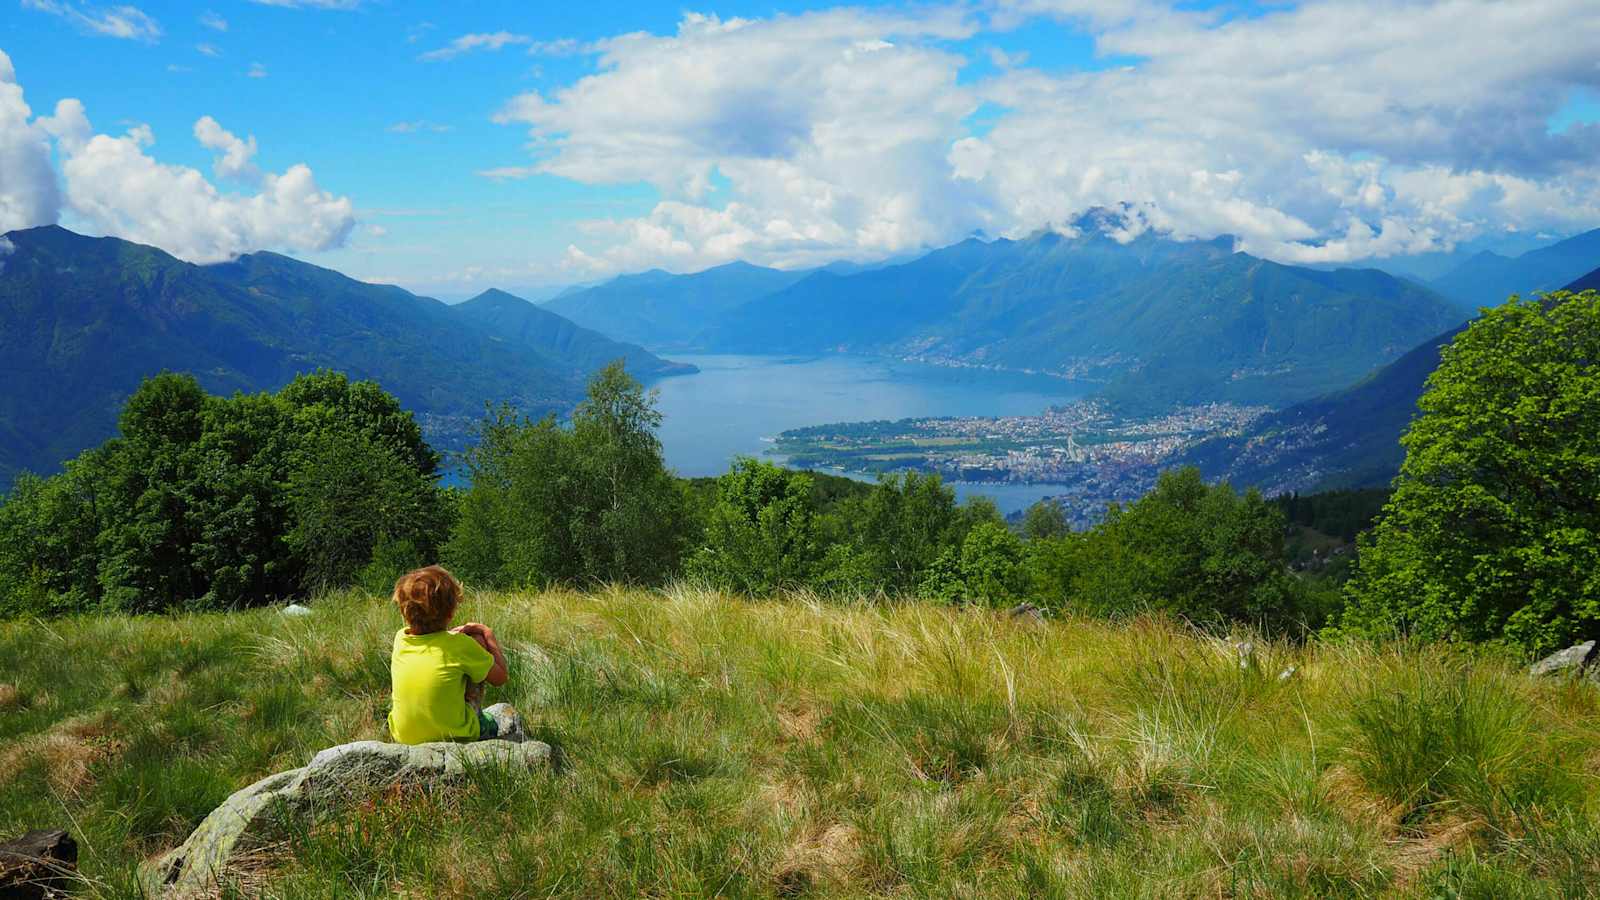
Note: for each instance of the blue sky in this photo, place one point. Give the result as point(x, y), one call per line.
point(554, 148)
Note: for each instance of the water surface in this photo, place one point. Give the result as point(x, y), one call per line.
point(736, 404)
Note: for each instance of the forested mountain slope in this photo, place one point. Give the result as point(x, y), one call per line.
point(83, 320)
point(1156, 320)
point(1350, 438)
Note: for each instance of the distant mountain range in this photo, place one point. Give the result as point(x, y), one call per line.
point(1487, 279)
point(666, 311)
point(83, 320)
point(1147, 322)
point(1151, 321)
point(1350, 438)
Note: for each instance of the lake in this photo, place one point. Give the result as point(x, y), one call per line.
point(736, 404)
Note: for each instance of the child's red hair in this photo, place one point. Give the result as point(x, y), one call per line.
point(427, 598)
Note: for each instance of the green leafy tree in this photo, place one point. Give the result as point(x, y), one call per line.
point(631, 518)
point(1205, 552)
point(1053, 565)
point(222, 502)
point(350, 494)
point(992, 564)
point(761, 535)
point(365, 407)
point(1493, 532)
point(49, 533)
point(237, 502)
point(1044, 521)
point(591, 503)
point(899, 529)
point(153, 476)
point(987, 568)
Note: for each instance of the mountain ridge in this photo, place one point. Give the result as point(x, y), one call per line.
point(1346, 439)
point(1488, 278)
point(660, 310)
point(1155, 321)
point(83, 319)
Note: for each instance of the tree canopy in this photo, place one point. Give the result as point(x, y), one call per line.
point(1493, 531)
point(205, 501)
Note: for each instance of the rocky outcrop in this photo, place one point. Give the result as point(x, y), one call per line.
point(334, 776)
point(1577, 660)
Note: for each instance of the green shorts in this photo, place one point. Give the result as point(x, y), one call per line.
point(488, 728)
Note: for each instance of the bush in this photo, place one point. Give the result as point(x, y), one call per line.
point(987, 568)
point(898, 531)
point(1045, 520)
point(761, 534)
point(1493, 532)
point(1204, 552)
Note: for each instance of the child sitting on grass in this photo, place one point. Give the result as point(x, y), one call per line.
point(436, 674)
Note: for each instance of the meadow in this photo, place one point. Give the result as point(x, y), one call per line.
point(714, 745)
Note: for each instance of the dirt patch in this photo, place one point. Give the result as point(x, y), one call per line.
point(66, 760)
point(1345, 790)
point(9, 696)
point(68, 751)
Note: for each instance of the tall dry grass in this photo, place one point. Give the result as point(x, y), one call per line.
point(715, 745)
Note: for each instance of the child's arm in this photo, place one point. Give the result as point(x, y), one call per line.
point(484, 635)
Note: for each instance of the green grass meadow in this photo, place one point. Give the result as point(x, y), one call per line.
point(711, 745)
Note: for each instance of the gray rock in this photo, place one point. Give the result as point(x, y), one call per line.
point(1288, 673)
point(1026, 612)
point(334, 776)
point(507, 721)
point(295, 609)
point(1569, 661)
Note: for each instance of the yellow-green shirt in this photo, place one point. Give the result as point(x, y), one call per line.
point(429, 674)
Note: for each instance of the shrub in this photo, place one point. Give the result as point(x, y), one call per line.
point(761, 534)
point(223, 502)
point(1205, 552)
point(987, 568)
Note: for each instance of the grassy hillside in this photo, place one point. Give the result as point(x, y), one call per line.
point(784, 748)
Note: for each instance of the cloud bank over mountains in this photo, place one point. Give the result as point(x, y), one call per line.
point(1324, 131)
point(113, 186)
point(1333, 131)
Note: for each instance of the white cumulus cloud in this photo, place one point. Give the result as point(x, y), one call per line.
point(235, 159)
point(114, 186)
point(1325, 131)
point(828, 129)
point(29, 193)
point(1310, 134)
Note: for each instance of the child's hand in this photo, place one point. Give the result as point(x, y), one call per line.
point(475, 629)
